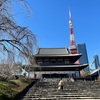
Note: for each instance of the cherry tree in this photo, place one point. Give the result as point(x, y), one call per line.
point(15, 39)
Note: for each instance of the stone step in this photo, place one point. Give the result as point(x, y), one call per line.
point(57, 96)
point(78, 90)
point(39, 99)
point(79, 98)
point(64, 98)
point(62, 93)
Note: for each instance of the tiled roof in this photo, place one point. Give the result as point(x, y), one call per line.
point(59, 67)
point(53, 51)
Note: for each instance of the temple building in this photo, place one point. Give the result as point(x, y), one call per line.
point(56, 63)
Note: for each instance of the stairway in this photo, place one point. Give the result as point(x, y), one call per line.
point(47, 90)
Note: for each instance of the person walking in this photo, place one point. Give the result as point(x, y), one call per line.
point(60, 85)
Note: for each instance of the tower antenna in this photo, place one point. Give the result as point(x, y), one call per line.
point(69, 13)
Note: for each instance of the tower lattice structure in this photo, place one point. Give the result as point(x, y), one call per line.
point(73, 47)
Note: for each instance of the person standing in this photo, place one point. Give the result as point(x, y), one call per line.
point(61, 84)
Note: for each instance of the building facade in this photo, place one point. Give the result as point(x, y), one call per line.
point(84, 58)
point(56, 62)
point(97, 64)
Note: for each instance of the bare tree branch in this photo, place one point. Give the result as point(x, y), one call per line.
point(21, 38)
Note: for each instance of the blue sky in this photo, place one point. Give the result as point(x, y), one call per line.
point(50, 23)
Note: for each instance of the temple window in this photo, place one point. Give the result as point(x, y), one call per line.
point(66, 61)
point(53, 60)
point(60, 60)
point(39, 61)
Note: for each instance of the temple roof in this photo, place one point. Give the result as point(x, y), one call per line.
point(53, 51)
point(58, 67)
point(57, 52)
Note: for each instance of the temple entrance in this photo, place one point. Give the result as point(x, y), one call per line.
point(55, 75)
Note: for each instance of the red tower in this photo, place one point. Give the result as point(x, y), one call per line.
point(73, 48)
